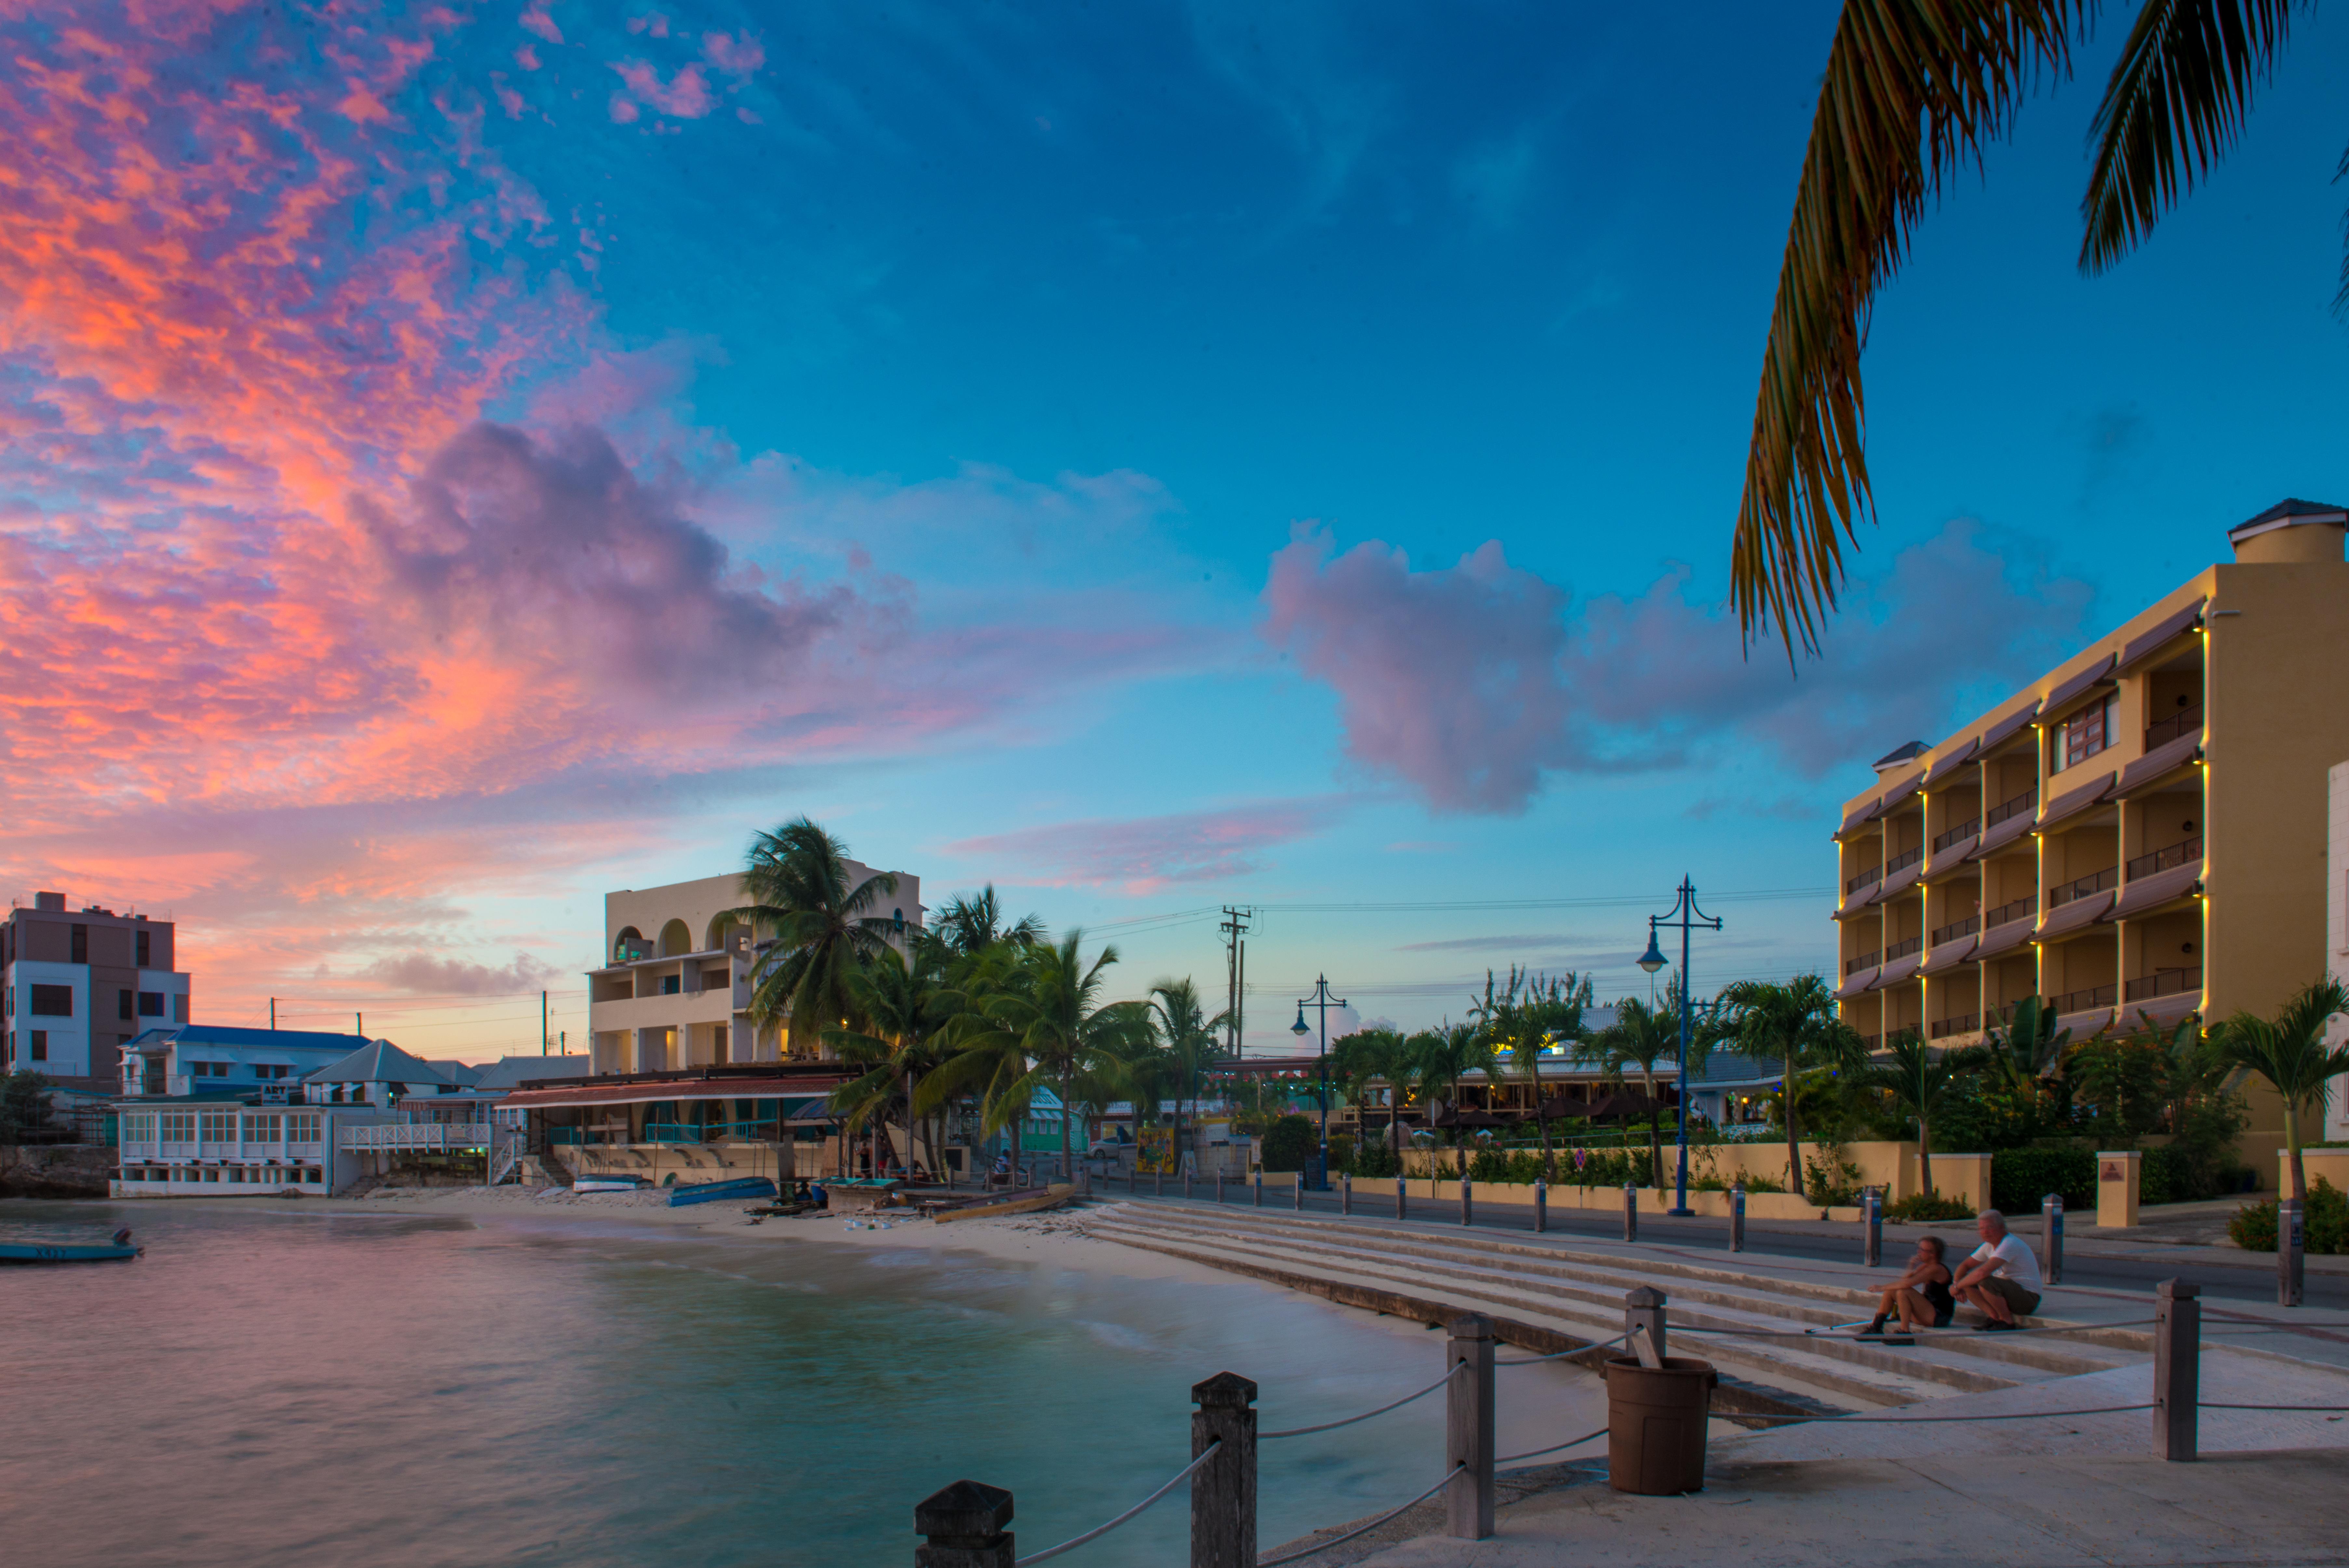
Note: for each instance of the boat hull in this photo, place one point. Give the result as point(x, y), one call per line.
point(64, 1252)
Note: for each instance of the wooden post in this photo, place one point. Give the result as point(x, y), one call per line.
point(1630, 1212)
point(965, 1525)
point(1222, 1490)
point(1644, 1308)
point(2177, 1367)
point(1402, 1195)
point(1541, 1205)
point(1468, 1428)
point(1467, 1207)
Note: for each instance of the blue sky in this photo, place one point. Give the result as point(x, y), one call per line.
point(1189, 455)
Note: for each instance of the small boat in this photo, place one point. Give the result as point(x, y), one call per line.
point(117, 1251)
point(610, 1184)
point(1019, 1200)
point(718, 1191)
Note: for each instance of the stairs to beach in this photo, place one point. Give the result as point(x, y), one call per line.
point(1547, 1296)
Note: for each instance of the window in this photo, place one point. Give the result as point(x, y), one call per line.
point(261, 1128)
point(81, 944)
point(178, 1127)
point(2085, 734)
point(219, 1126)
point(671, 984)
point(38, 1046)
point(269, 1069)
point(302, 1127)
point(139, 1127)
point(179, 1007)
point(150, 1005)
point(146, 948)
point(52, 1002)
point(122, 1003)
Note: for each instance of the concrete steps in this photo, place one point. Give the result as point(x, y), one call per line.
point(1580, 1294)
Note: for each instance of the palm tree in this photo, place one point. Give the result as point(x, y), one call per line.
point(1920, 1083)
point(1364, 1059)
point(823, 931)
point(1793, 1022)
point(1521, 1016)
point(1646, 1038)
point(1913, 91)
point(907, 1008)
point(1190, 1040)
point(2028, 1049)
point(1446, 1055)
point(2291, 1053)
point(971, 923)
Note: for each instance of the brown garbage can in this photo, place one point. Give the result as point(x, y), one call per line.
point(1656, 1423)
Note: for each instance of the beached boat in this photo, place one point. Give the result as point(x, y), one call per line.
point(610, 1184)
point(1020, 1200)
point(744, 1187)
point(117, 1251)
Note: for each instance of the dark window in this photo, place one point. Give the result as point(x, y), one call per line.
point(146, 947)
point(150, 1005)
point(52, 1002)
point(672, 984)
point(122, 1005)
point(179, 1007)
point(81, 944)
point(40, 1046)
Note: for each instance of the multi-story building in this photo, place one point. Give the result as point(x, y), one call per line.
point(75, 987)
point(2140, 831)
point(197, 1060)
point(676, 991)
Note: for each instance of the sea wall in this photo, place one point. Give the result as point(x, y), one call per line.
point(56, 1170)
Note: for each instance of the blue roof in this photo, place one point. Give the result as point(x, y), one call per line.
point(251, 1039)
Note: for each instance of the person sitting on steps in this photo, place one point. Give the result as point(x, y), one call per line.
point(1920, 1294)
point(2001, 1276)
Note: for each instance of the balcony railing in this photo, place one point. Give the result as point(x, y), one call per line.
point(433, 1137)
point(1868, 877)
point(2086, 997)
point(2026, 905)
point(1865, 961)
point(2165, 983)
point(2178, 854)
point(1905, 859)
point(2180, 723)
point(2080, 887)
point(1963, 830)
point(1963, 1024)
point(1956, 929)
point(2027, 801)
point(1902, 950)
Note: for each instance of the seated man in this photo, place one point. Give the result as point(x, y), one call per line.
point(2001, 1276)
point(1920, 1296)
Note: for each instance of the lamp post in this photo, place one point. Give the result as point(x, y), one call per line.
point(1322, 1000)
point(1684, 915)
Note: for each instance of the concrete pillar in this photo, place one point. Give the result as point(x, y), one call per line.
point(2118, 1178)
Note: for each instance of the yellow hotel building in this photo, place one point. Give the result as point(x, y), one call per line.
point(2143, 829)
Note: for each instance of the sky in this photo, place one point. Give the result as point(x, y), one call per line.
point(456, 460)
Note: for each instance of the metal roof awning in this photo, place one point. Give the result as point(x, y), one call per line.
point(793, 1089)
point(2158, 637)
point(2078, 683)
point(1999, 733)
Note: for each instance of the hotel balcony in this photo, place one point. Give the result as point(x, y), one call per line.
point(2165, 983)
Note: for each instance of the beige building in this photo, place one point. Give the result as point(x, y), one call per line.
point(2142, 829)
point(675, 991)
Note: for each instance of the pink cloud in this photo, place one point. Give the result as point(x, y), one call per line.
point(736, 56)
point(534, 19)
point(1145, 855)
point(686, 96)
point(1470, 683)
point(651, 22)
point(527, 58)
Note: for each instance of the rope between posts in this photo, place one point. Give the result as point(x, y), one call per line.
point(1918, 1420)
point(1837, 1331)
point(1536, 1453)
point(1333, 1426)
point(2317, 1408)
point(1359, 1529)
point(1096, 1533)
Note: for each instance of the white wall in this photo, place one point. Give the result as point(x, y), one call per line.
point(69, 1038)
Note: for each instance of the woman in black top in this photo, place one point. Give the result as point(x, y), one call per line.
point(1919, 1298)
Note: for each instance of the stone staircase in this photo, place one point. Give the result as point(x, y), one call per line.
point(1560, 1295)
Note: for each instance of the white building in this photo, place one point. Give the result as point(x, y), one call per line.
point(219, 1061)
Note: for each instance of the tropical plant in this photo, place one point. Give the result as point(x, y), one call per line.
point(1793, 1022)
point(24, 1105)
point(1444, 1056)
point(2290, 1052)
point(1522, 1016)
point(1359, 1063)
point(1190, 1043)
point(1644, 1038)
point(973, 923)
point(907, 1007)
point(797, 882)
point(1919, 1080)
point(2024, 1054)
point(1912, 93)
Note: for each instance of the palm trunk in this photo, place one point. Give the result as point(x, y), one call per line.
point(2291, 1142)
point(1541, 1121)
point(1924, 1155)
point(1794, 1143)
point(1068, 1109)
point(907, 1079)
point(1655, 1139)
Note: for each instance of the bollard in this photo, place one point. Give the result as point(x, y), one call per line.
point(1219, 1186)
point(2177, 1367)
point(1643, 1308)
point(2051, 1238)
point(1468, 1428)
point(1158, 1184)
point(1300, 1190)
point(1871, 1246)
point(1541, 1205)
point(1346, 1193)
point(1737, 1218)
point(1084, 1184)
point(2291, 1237)
point(1630, 1212)
point(1132, 1175)
point(1255, 1181)
point(1468, 1203)
point(965, 1525)
point(1222, 1490)
point(1402, 1195)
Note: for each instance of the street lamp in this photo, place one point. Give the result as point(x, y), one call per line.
point(1322, 1000)
point(1685, 916)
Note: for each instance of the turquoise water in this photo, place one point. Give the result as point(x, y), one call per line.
point(273, 1387)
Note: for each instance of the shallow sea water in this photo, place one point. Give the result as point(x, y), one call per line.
point(273, 1387)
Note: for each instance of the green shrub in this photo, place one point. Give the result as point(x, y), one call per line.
point(1928, 1206)
point(1831, 1179)
point(2020, 1177)
point(1375, 1160)
point(1290, 1144)
point(2324, 1223)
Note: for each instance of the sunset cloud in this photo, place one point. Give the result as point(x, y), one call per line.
point(1145, 855)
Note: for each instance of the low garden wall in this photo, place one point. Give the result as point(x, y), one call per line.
point(1893, 1167)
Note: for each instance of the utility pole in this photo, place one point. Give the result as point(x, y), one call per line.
point(1235, 930)
point(542, 1023)
point(272, 1014)
point(358, 1022)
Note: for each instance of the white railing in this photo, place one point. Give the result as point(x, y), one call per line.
point(430, 1137)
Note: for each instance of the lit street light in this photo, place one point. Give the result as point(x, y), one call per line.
point(1322, 1000)
point(1684, 915)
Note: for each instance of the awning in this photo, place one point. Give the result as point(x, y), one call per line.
point(2165, 1010)
point(2154, 639)
point(1858, 813)
point(1998, 837)
point(2077, 684)
point(2066, 919)
point(1951, 954)
point(1897, 971)
point(1950, 859)
point(2005, 938)
point(2159, 763)
point(1860, 981)
point(1952, 763)
point(1899, 795)
point(2000, 732)
point(2143, 893)
point(2073, 802)
point(1900, 882)
point(795, 1088)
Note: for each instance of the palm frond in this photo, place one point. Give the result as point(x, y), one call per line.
point(1913, 91)
point(2175, 104)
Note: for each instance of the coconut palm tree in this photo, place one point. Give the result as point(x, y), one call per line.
point(1793, 1022)
point(1191, 1043)
point(1912, 93)
point(1920, 1082)
point(1521, 1017)
point(906, 1009)
point(823, 930)
point(1361, 1062)
point(1441, 1057)
point(1647, 1039)
point(2024, 1054)
point(972, 923)
point(2290, 1052)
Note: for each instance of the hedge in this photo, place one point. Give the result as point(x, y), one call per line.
point(2020, 1178)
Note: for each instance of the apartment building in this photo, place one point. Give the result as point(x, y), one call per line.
point(2141, 830)
point(76, 986)
point(676, 993)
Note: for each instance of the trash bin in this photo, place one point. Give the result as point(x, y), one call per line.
point(1656, 1422)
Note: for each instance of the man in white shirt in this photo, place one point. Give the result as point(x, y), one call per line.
point(2001, 1276)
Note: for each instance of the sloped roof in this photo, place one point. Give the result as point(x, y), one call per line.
point(2285, 512)
point(245, 1039)
point(460, 1074)
point(377, 1062)
point(512, 1072)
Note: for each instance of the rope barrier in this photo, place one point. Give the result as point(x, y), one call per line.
point(1918, 1420)
point(1094, 1535)
point(1536, 1453)
point(1357, 1530)
point(1553, 1355)
point(2316, 1408)
point(1333, 1426)
point(1837, 1331)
